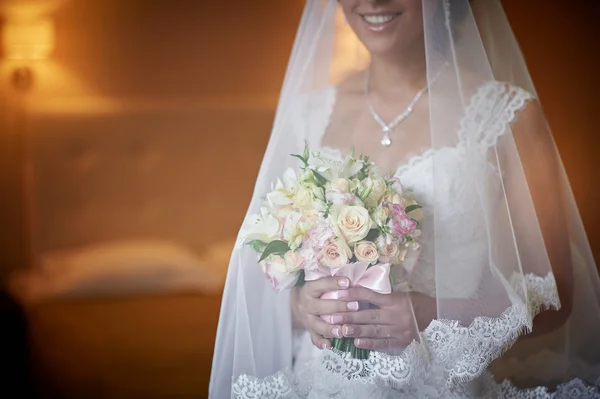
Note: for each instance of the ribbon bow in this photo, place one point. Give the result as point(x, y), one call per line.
point(375, 278)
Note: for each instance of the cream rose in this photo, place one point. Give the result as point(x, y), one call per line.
point(378, 189)
point(381, 215)
point(366, 251)
point(293, 261)
point(354, 223)
point(391, 252)
point(396, 199)
point(340, 184)
point(335, 254)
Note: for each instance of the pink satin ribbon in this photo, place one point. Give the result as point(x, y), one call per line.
point(375, 278)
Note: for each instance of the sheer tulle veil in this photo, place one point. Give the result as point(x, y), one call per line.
point(532, 255)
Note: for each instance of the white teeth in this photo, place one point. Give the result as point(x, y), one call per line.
point(379, 19)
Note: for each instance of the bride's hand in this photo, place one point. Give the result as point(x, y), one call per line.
point(391, 325)
point(307, 308)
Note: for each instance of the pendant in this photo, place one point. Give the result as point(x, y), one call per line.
point(386, 141)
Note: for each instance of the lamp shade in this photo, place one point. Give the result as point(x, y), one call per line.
point(28, 40)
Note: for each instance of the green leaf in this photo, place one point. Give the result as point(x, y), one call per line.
point(306, 151)
point(301, 278)
point(300, 157)
point(319, 178)
point(411, 208)
point(366, 192)
point(257, 245)
point(276, 247)
point(372, 235)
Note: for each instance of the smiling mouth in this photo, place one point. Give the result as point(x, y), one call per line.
point(379, 19)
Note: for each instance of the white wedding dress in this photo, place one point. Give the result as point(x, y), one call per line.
point(426, 369)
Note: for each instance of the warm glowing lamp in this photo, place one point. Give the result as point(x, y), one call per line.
point(28, 40)
point(25, 41)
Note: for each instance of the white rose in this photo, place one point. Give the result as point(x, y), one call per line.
point(354, 223)
point(366, 251)
point(335, 254)
point(340, 184)
point(381, 215)
point(378, 189)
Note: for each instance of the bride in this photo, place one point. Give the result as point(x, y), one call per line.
point(503, 300)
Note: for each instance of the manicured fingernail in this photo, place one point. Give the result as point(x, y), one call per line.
point(341, 294)
point(337, 319)
point(343, 282)
point(324, 345)
point(336, 332)
point(358, 342)
point(353, 305)
point(348, 330)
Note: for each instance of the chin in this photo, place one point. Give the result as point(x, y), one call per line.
point(382, 48)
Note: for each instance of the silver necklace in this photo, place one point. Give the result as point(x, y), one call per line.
point(386, 129)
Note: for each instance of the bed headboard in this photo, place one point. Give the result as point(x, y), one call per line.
point(143, 173)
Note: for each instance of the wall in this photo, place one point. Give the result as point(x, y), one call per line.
point(163, 53)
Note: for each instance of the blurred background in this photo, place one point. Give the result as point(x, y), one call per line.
point(119, 121)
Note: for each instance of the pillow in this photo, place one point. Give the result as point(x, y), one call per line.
point(123, 268)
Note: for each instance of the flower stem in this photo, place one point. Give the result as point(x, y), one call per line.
point(347, 345)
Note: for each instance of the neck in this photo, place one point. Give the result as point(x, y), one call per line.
point(400, 73)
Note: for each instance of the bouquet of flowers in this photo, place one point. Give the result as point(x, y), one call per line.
point(335, 218)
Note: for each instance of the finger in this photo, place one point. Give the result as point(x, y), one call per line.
point(317, 325)
point(319, 341)
point(317, 287)
point(380, 344)
point(367, 316)
point(321, 307)
point(372, 331)
point(362, 294)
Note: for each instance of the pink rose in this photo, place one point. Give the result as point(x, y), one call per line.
point(277, 273)
point(390, 251)
point(335, 254)
point(316, 238)
point(366, 251)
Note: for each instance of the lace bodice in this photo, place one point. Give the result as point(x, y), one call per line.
point(492, 109)
point(451, 360)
